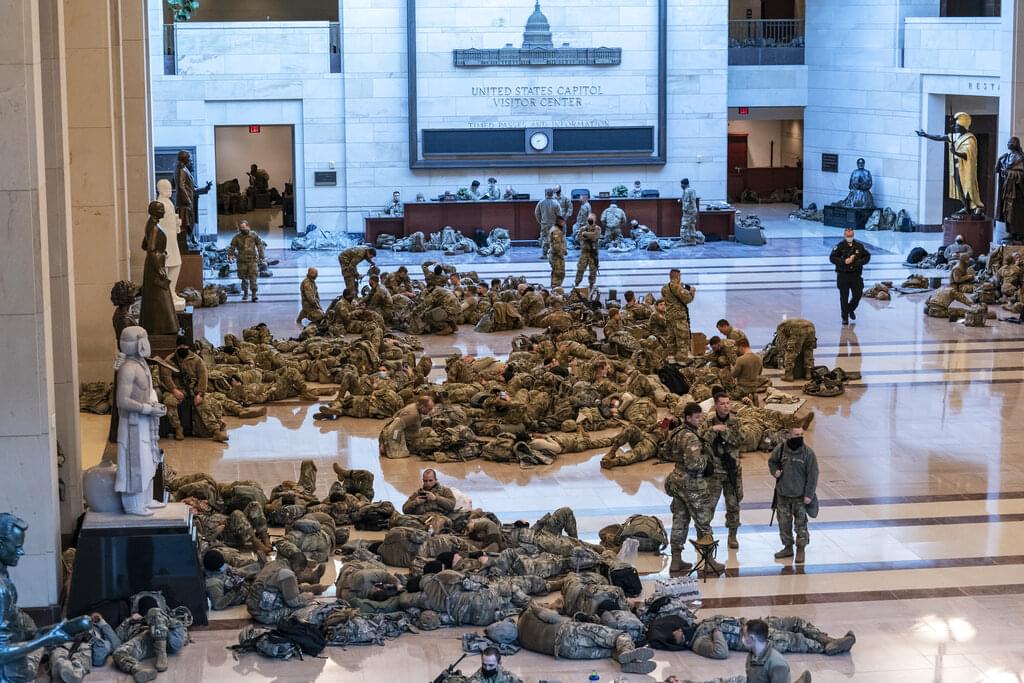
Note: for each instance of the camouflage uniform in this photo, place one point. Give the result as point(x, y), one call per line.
point(588, 237)
point(228, 587)
point(192, 378)
point(444, 501)
point(721, 483)
point(688, 224)
point(310, 296)
point(561, 520)
point(349, 261)
point(545, 631)
point(785, 634)
point(687, 486)
point(501, 676)
point(275, 593)
point(581, 220)
point(677, 314)
point(794, 336)
point(556, 255)
point(247, 250)
point(140, 639)
point(643, 446)
point(560, 443)
point(545, 212)
point(65, 666)
point(938, 305)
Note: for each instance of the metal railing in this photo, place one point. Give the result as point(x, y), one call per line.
point(766, 33)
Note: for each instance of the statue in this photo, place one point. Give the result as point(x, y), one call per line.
point(509, 193)
point(963, 164)
point(20, 642)
point(860, 189)
point(637, 192)
point(1010, 189)
point(185, 200)
point(157, 314)
point(688, 223)
point(138, 452)
point(171, 226)
point(395, 207)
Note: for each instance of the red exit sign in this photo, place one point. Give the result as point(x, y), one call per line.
point(744, 111)
point(254, 129)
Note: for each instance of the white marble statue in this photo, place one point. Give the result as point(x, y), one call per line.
point(171, 225)
point(138, 450)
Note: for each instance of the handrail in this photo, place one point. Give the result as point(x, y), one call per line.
point(766, 33)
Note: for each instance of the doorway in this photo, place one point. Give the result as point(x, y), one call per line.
point(255, 178)
point(765, 154)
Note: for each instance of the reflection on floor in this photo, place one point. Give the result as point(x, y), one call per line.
point(919, 547)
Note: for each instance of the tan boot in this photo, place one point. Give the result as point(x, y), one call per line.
point(734, 542)
point(632, 659)
point(160, 645)
point(840, 645)
point(179, 434)
point(220, 435)
point(715, 566)
point(805, 677)
point(678, 565)
point(807, 420)
point(340, 471)
point(799, 555)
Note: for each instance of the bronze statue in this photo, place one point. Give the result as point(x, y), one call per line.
point(1010, 189)
point(860, 189)
point(122, 295)
point(963, 164)
point(186, 198)
point(157, 315)
point(20, 640)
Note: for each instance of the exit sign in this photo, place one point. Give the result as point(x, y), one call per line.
point(744, 111)
point(254, 129)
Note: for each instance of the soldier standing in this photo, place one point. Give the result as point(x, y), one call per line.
point(796, 336)
point(795, 468)
point(688, 485)
point(721, 432)
point(556, 255)
point(688, 224)
point(564, 203)
point(311, 309)
point(677, 297)
point(545, 212)
point(589, 239)
point(349, 261)
point(581, 218)
point(247, 248)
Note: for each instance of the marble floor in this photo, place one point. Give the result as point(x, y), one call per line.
point(919, 547)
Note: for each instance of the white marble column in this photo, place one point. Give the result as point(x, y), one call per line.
point(61, 243)
point(28, 450)
point(1011, 110)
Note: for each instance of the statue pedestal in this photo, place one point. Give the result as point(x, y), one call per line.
point(164, 344)
point(977, 232)
point(191, 271)
point(836, 216)
point(119, 555)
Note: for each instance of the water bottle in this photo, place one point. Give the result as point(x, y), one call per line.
point(594, 677)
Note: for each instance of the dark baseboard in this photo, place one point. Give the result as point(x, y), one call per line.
point(44, 616)
point(928, 227)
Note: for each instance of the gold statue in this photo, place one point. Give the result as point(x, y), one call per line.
point(963, 164)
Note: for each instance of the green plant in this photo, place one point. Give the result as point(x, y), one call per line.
point(183, 9)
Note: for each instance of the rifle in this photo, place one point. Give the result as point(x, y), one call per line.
point(450, 671)
point(775, 497)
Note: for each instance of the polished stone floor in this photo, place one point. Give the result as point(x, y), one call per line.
point(919, 547)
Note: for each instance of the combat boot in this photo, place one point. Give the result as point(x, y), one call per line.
point(245, 295)
point(734, 543)
point(678, 565)
point(787, 376)
point(160, 646)
point(142, 674)
point(837, 646)
point(632, 659)
point(807, 420)
point(799, 554)
point(220, 435)
point(254, 297)
point(252, 412)
point(787, 551)
point(714, 565)
point(179, 434)
point(805, 677)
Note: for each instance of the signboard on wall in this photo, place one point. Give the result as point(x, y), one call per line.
point(531, 83)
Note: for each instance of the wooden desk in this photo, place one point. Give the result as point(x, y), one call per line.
point(662, 215)
point(373, 226)
point(721, 223)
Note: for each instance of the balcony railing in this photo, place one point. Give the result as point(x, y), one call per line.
point(766, 41)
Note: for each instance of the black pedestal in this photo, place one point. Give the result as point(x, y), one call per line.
point(836, 216)
point(120, 555)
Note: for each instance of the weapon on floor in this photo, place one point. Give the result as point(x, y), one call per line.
point(451, 670)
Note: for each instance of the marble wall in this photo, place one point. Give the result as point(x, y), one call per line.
point(356, 123)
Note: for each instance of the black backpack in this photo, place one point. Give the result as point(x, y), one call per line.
point(916, 255)
point(628, 579)
point(304, 635)
point(673, 379)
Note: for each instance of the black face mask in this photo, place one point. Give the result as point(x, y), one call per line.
point(489, 673)
point(795, 443)
point(181, 353)
point(590, 221)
